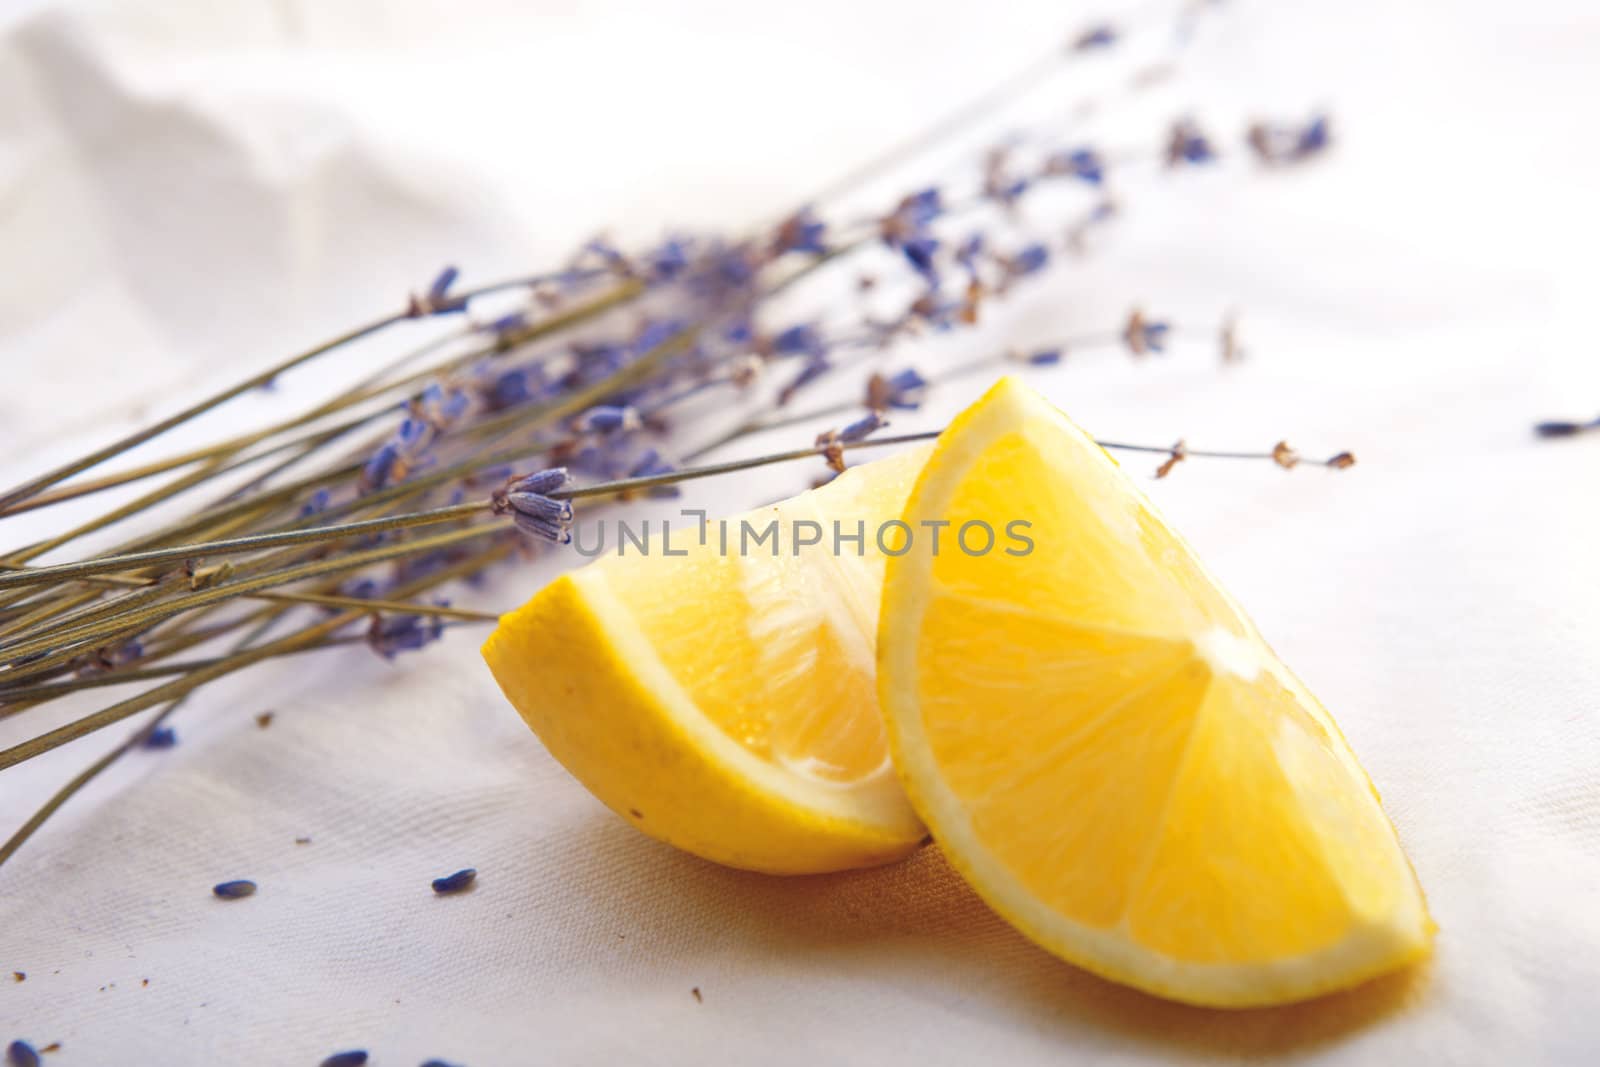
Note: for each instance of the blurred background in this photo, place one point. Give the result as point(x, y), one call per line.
point(190, 190)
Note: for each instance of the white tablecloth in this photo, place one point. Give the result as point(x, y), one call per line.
point(188, 190)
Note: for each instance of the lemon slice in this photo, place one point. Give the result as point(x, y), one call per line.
point(722, 697)
point(1106, 748)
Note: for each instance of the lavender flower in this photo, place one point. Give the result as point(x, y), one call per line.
point(967, 253)
point(534, 512)
point(234, 890)
point(437, 300)
point(21, 1054)
point(1044, 357)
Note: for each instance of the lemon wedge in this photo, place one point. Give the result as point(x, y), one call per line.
point(722, 697)
point(1106, 748)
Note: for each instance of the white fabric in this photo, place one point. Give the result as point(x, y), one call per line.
point(190, 189)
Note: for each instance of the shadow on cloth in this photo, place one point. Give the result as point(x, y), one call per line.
point(916, 922)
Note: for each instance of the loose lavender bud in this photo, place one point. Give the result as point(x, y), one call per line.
point(355, 1057)
point(21, 1054)
point(235, 890)
point(1045, 357)
point(161, 737)
point(457, 882)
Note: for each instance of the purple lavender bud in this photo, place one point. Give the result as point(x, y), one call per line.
point(21, 1054)
point(1045, 357)
point(968, 251)
point(375, 475)
point(608, 418)
point(1313, 138)
point(356, 1057)
point(904, 390)
point(923, 207)
point(740, 332)
point(235, 890)
point(1562, 428)
point(437, 300)
point(802, 340)
point(160, 737)
point(1084, 164)
point(544, 481)
point(1155, 335)
point(538, 506)
point(391, 635)
point(457, 882)
point(863, 427)
point(919, 252)
point(540, 530)
point(441, 284)
point(316, 502)
point(655, 334)
point(1030, 260)
point(412, 437)
point(801, 232)
point(814, 368)
point(508, 390)
point(669, 260)
point(1102, 36)
point(507, 324)
point(1186, 144)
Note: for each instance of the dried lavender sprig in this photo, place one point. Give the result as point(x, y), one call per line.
point(302, 638)
point(93, 459)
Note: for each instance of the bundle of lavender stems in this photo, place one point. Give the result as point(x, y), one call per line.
point(587, 385)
